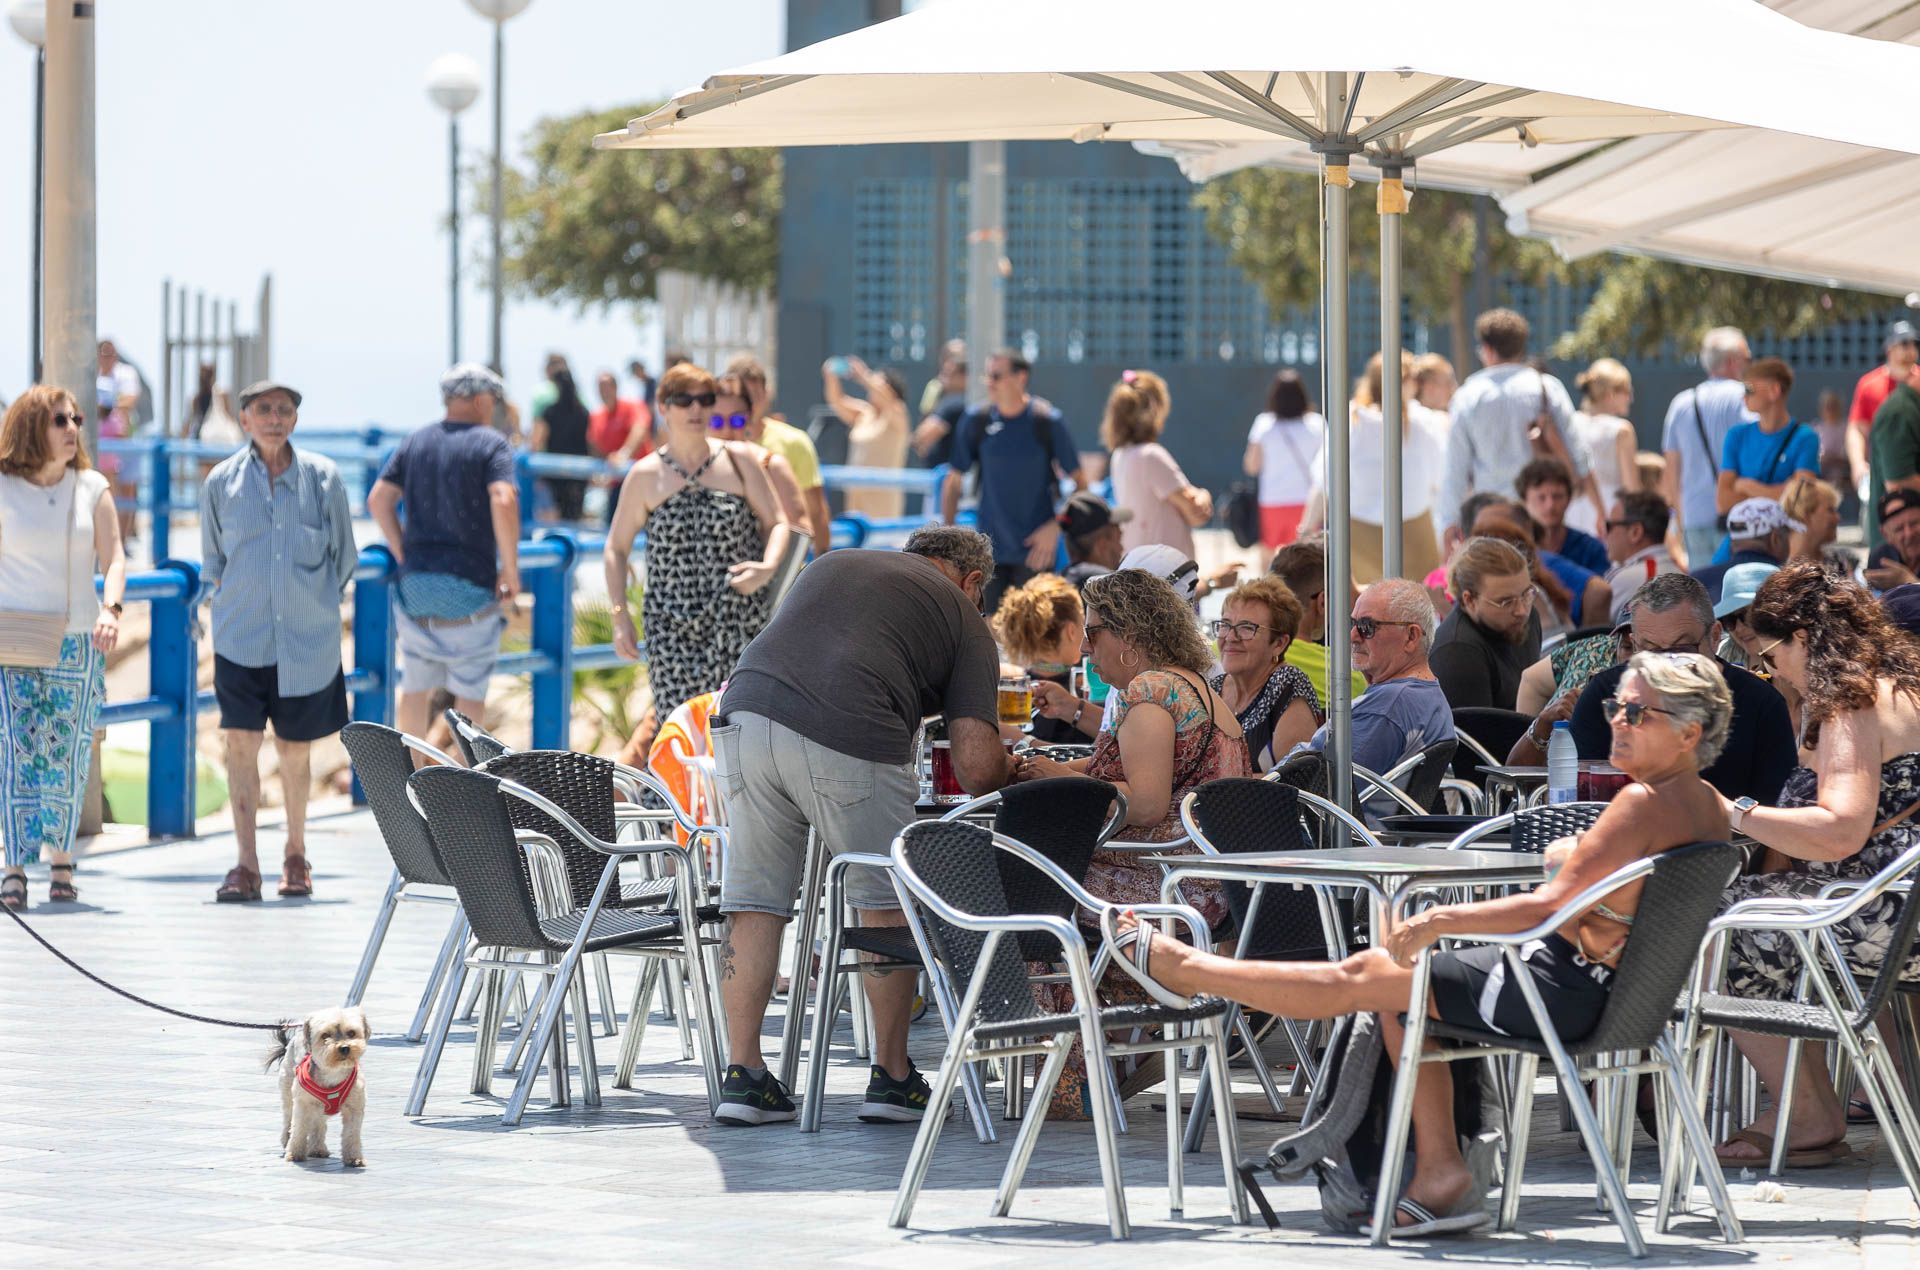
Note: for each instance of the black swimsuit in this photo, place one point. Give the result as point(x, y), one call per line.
point(1473, 987)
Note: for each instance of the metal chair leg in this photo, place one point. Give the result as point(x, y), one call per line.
point(603, 982)
point(924, 1139)
point(676, 985)
point(705, 994)
point(1176, 1158)
point(825, 1008)
point(1029, 1133)
point(1106, 1123)
point(540, 1033)
point(1699, 1144)
point(450, 949)
point(1228, 1126)
point(583, 1041)
point(1519, 1131)
point(812, 882)
point(430, 1056)
point(1592, 1135)
point(486, 1030)
point(643, 989)
point(375, 938)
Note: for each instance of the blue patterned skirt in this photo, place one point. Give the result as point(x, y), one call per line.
point(47, 718)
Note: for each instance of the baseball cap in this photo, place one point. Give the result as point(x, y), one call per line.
point(1739, 584)
point(1165, 562)
point(262, 387)
point(1758, 517)
point(1895, 501)
point(1087, 513)
point(470, 379)
point(1903, 607)
point(1902, 332)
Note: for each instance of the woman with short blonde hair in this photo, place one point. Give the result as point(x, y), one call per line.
point(1275, 703)
point(1816, 505)
point(1166, 507)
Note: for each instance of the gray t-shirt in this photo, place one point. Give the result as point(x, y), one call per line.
point(865, 645)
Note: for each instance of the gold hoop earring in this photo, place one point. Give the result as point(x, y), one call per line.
point(1133, 653)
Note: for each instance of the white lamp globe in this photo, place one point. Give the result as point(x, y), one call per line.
point(453, 82)
point(28, 18)
point(499, 10)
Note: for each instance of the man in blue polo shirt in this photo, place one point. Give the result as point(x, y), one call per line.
point(1022, 448)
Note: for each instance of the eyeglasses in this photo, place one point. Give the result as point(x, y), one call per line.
point(1633, 712)
point(276, 409)
point(1513, 603)
point(995, 376)
point(721, 423)
point(1621, 524)
point(1763, 660)
point(64, 420)
point(1239, 630)
point(704, 400)
point(1687, 644)
point(1094, 628)
point(1364, 628)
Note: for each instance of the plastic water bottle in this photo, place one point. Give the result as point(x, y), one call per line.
point(1563, 766)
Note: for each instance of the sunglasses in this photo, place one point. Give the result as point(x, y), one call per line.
point(704, 400)
point(1688, 644)
point(1633, 712)
point(1763, 660)
point(721, 423)
point(1364, 628)
point(63, 420)
point(1095, 628)
point(1239, 630)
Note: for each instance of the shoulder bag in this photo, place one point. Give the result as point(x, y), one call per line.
point(33, 639)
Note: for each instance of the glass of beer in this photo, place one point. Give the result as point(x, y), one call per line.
point(1599, 781)
point(1016, 701)
point(946, 785)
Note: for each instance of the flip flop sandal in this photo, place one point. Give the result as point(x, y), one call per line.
point(1131, 950)
point(13, 893)
point(59, 892)
point(1860, 1111)
point(1424, 1221)
point(296, 879)
point(1804, 1158)
point(242, 885)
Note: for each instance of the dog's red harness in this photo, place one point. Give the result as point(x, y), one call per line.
point(330, 1100)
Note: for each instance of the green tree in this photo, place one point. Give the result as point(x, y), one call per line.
point(1270, 222)
point(598, 226)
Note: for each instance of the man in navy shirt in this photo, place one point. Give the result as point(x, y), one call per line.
point(1545, 487)
point(459, 550)
point(1022, 448)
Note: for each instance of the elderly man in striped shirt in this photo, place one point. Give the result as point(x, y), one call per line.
point(276, 543)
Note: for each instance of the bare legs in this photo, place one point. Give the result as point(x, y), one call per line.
point(243, 790)
point(1322, 990)
point(748, 961)
point(1818, 1117)
point(296, 778)
point(414, 715)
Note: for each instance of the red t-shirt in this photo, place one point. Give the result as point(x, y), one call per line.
point(1869, 395)
point(608, 430)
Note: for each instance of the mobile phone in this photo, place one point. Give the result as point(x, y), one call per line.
point(838, 365)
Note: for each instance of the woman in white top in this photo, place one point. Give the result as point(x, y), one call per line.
point(1280, 450)
point(57, 521)
point(1146, 481)
point(1606, 394)
point(1422, 457)
point(877, 432)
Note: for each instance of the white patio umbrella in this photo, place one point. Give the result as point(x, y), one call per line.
point(1404, 78)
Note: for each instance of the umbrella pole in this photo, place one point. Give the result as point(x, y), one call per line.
point(1335, 181)
point(1391, 203)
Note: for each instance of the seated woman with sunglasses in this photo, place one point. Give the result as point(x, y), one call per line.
point(1275, 703)
point(1670, 717)
point(1843, 816)
point(715, 537)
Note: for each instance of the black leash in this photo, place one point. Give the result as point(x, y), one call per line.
point(151, 1005)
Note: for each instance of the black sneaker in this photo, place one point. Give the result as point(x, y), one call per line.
point(891, 1101)
point(747, 1099)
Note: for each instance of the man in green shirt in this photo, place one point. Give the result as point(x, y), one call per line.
point(1302, 566)
point(1895, 437)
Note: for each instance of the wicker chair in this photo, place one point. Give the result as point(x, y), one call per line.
point(1683, 888)
point(475, 743)
point(1533, 828)
point(1486, 735)
point(467, 813)
point(949, 870)
point(383, 760)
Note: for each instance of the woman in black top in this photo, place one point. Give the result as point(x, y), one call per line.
point(1275, 702)
point(562, 429)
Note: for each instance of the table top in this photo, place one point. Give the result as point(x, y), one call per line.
point(1369, 862)
point(1519, 773)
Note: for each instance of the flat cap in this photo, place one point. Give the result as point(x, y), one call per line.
point(262, 387)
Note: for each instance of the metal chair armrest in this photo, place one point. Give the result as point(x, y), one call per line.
point(429, 750)
point(1347, 818)
point(972, 807)
point(1472, 797)
point(1568, 911)
point(580, 833)
point(1470, 836)
point(1384, 785)
point(1202, 938)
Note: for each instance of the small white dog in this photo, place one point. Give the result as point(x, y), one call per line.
point(319, 1078)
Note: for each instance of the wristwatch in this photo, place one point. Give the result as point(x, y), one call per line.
point(1079, 712)
point(112, 608)
point(1741, 806)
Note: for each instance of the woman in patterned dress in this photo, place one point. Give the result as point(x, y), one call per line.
point(715, 536)
point(57, 521)
point(1171, 733)
point(1859, 677)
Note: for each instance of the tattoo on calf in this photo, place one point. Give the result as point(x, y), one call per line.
point(726, 956)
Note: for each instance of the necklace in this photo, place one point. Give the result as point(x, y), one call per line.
point(52, 491)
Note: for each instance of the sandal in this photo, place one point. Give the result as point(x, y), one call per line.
point(59, 892)
point(13, 892)
point(1470, 1214)
point(296, 879)
point(242, 884)
point(1131, 950)
point(1804, 1158)
point(1860, 1111)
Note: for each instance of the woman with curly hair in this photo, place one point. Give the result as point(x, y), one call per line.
point(1171, 732)
point(1041, 627)
point(1858, 677)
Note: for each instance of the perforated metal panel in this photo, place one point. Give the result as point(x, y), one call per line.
point(894, 263)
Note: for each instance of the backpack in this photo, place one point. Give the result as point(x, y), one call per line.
point(1342, 1142)
point(1242, 513)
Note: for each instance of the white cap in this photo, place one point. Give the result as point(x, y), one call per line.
point(1166, 562)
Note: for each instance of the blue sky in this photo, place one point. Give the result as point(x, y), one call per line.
point(242, 137)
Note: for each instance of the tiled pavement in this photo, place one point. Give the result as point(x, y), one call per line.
point(128, 1137)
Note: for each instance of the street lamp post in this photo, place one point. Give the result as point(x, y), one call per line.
point(29, 21)
point(498, 12)
point(453, 82)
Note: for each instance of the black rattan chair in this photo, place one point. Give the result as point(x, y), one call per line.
point(1486, 735)
point(475, 743)
point(1682, 890)
point(467, 814)
point(383, 760)
point(948, 869)
point(1533, 828)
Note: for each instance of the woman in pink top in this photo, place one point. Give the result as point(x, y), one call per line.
point(1146, 480)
